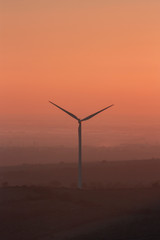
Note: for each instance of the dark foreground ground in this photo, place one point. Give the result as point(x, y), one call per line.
point(40, 213)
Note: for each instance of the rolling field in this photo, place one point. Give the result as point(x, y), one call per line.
point(44, 213)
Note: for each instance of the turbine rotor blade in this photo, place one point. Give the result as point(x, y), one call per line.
point(71, 114)
point(92, 115)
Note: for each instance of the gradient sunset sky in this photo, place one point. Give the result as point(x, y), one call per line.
point(83, 55)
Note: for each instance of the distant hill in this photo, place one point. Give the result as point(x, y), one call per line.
point(37, 155)
point(102, 174)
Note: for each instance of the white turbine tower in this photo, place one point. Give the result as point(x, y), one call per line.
point(80, 137)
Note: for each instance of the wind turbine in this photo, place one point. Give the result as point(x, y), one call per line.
point(80, 137)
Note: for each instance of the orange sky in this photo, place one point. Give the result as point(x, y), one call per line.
point(84, 55)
